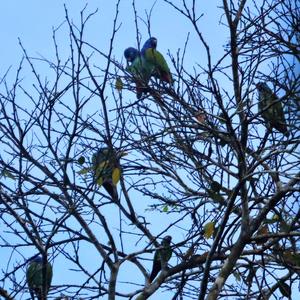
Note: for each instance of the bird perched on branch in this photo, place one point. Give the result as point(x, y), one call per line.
point(270, 108)
point(161, 257)
point(39, 276)
point(107, 169)
point(155, 59)
point(131, 54)
point(140, 69)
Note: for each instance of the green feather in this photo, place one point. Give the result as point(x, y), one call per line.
point(159, 65)
point(161, 257)
point(141, 71)
point(107, 169)
point(35, 277)
point(270, 108)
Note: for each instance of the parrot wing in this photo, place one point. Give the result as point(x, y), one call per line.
point(35, 278)
point(161, 257)
point(104, 163)
point(159, 65)
point(271, 109)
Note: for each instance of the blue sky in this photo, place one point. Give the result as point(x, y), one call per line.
point(32, 21)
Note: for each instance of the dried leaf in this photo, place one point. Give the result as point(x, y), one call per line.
point(119, 84)
point(209, 229)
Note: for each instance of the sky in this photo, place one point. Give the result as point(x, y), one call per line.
point(32, 21)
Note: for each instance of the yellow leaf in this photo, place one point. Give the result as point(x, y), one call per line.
point(116, 174)
point(209, 229)
point(119, 84)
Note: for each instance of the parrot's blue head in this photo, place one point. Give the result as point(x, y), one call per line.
point(131, 54)
point(149, 44)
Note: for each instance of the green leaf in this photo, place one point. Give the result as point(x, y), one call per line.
point(81, 160)
point(116, 174)
point(165, 208)
point(209, 229)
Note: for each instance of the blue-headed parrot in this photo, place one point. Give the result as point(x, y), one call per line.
point(161, 257)
point(107, 169)
point(131, 54)
point(140, 69)
point(156, 60)
point(271, 108)
point(39, 276)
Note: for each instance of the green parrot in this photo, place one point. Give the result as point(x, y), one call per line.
point(155, 59)
point(161, 257)
point(271, 109)
point(39, 276)
point(107, 169)
point(140, 69)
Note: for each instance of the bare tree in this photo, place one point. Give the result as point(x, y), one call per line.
point(197, 157)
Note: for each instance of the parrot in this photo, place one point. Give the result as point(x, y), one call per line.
point(271, 108)
point(140, 69)
point(105, 162)
point(36, 281)
point(161, 257)
point(155, 59)
point(131, 54)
